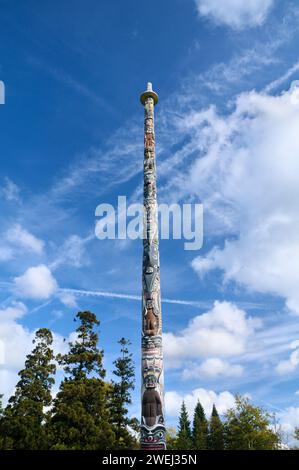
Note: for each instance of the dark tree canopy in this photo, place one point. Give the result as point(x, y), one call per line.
point(84, 357)
point(216, 432)
point(80, 416)
point(247, 427)
point(90, 413)
point(120, 397)
point(184, 436)
point(200, 428)
point(24, 416)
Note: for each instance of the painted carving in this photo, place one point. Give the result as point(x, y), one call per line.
point(152, 437)
point(151, 320)
point(151, 406)
point(152, 395)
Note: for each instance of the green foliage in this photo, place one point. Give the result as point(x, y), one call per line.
point(296, 436)
point(23, 419)
point(184, 436)
point(84, 357)
point(1, 422)
point(120, 398)
point(216, 432)
point(89, 413)
point(247, 427)
point(200, 428)
point(171, 438)
point(80, 416)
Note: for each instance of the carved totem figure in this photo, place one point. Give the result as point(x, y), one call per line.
point(152, 396)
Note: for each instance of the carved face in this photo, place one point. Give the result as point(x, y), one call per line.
point(149, 270)
point(152, 365)
point(149, 124)
point(153, 438)
point(150, 380)
point(152, 343)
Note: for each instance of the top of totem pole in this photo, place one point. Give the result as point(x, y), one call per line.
point(149, 92)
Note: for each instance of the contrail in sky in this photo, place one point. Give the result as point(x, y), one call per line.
point(115, 295)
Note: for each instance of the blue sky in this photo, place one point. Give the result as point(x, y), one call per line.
point(226, 129)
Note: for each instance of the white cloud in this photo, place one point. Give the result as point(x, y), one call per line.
point(249, 180)
point(8, 380)
point(289, 365)
point(2, 352)
point(15, 310)
point(20, 237)
point(173, 401)
point(72, 252)
point(68, 299)
point(16, 343)
point(18, 240)
point(222, 331)
point(237, 14)
point(10, 191)
point(37, 283)
point(211, 368)
point(289, 420)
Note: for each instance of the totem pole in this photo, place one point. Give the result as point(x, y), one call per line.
point(152, 399)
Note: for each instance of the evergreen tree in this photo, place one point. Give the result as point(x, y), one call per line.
point(121, 397)
point(1, 407)
point(1, 423)
point(248, 427)
point(200, 428)
point(80, 418)
point(23, 423)
point(184, 436)
point(216, 434)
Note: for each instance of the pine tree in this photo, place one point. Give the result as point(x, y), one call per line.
point(23, 423)
point(121, 397)
point(216, 434)
point(184, 436)
point(200, 428)
point(80, 417)
point(248, 427)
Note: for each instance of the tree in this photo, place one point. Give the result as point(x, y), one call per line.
point(171, 438)
point(200, 428)
point(23, 423)
point(216, 434)
point(296, 437)
point(247, 427)
point(120, 397)
point(1, 423)
point(184, 436)
point(80, 415)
